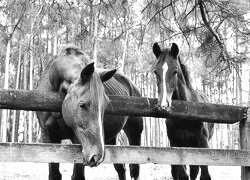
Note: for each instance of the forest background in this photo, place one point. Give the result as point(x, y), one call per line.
point(213, 37)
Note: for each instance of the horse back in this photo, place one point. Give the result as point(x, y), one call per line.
point(120, 85)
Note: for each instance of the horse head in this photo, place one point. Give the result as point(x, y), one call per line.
point(166, 70)
point(83, 110)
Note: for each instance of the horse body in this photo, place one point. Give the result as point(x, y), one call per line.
point(173, 84)
point(65, 75)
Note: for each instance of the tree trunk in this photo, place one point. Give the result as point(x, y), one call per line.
point(30, 116)
point(25, 124)
point(4, 117)
point(248, 87)
point(55, 39)
point(124, 51)
point(15, 117)
point(95, 34)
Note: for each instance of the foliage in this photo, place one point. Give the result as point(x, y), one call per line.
point(213, 36)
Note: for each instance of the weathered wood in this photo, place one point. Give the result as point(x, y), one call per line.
point(44, 153)
point(123, 105)
point(245, 143)
point(30, 100)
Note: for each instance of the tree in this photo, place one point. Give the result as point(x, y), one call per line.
point(10, 21)
point(213, 37)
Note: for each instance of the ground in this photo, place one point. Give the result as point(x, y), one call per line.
point(35, 171)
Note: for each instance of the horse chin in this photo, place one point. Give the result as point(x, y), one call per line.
point(92, 164)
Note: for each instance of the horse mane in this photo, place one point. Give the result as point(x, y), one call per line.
point(96, 90)
point(72, 49)
point(66, 51)
point(185, 72)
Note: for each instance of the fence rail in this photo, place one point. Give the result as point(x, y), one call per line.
point(123, 105)
point(45, 153)
point(37, 101)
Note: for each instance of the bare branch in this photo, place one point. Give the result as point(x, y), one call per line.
point(115, 14)
point(159, 11)
point(215, 35)
point(194, 7)
point(146, 6)
point(176, 20)
point(19, 20)
point(38, 13)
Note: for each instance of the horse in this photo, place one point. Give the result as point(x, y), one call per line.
point(173, 83)
point(82, 119)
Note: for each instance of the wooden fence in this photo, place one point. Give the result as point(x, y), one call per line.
point(34, 100)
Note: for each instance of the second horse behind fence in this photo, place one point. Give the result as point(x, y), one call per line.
point(174, 84)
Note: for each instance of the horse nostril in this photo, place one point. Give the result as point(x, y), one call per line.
point(165, 105)
point(93, 161)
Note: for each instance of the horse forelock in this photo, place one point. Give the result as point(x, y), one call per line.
point(160, 60)
point(184, 71)
point(97, 92)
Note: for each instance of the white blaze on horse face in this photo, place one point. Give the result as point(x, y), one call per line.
point(164, 102)
point(101, 131)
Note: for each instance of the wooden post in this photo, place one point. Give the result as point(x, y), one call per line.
point(245, 143)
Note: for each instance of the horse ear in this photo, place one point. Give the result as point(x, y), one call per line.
point(156, 50)
point(174, 50)
point(108, 75)
point(87, 72)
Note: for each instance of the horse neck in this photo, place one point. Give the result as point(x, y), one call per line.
point(64, 70)
point(184, 90)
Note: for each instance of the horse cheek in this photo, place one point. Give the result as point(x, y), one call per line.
point(68, 111)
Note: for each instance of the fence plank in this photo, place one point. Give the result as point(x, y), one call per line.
point(123, 105)
point(44, 153)
point(244, 143)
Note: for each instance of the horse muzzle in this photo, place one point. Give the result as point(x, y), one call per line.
point(164, 105)
point(93, 159)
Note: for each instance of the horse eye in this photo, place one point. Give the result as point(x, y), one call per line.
point(156, 73)
point(85, 106)
point(83, 126)
point(175, 72)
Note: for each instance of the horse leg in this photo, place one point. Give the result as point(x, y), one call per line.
point(78, 170)
point(54, 172)
point(120, 168)
point(174, 172)
point(133, 130)
point(204, 169)
point(194, 170)
point(204, 173)
point(179, 172)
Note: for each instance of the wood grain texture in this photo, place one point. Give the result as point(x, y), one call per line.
point(44, 153)
point(123, 105)
point(245, 143)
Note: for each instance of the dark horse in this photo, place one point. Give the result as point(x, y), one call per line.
point(174, 84)
point(82, 119)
